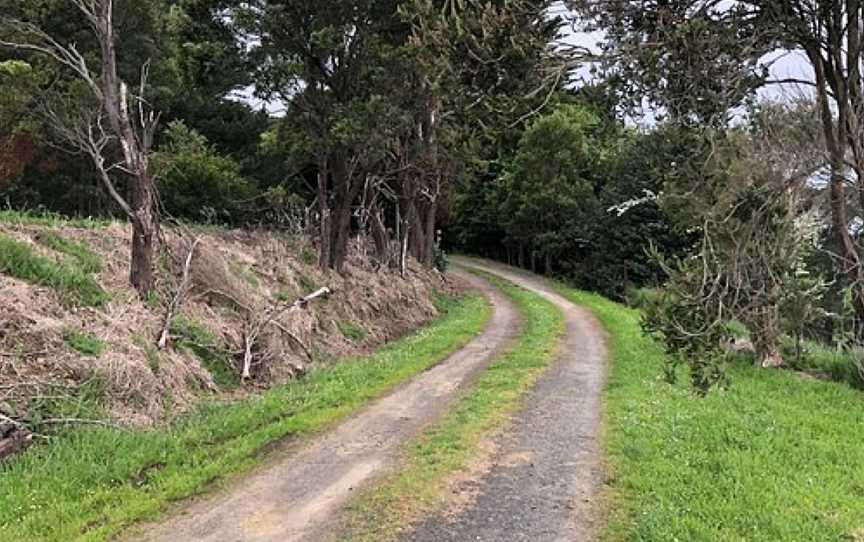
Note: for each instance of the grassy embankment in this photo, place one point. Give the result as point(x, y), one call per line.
point(451, 444)
point(773, 457)
point(89, 484)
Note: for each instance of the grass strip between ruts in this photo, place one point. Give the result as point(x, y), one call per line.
point(91, 483)
point(449, 446)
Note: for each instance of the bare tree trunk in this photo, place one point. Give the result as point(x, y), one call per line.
point(347, 190)
point(429, 233)
point(143, 233)
point(836, 136)
point(324, 226)
point(379, 236)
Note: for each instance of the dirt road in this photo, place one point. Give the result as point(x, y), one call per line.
point(299, 492)
point(541, 485)
point(547, 468)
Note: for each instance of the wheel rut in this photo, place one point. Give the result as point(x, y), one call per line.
point(298, 493)
point(546, 470)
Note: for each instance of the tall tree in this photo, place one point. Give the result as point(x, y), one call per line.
point(129, 122)
point(700, 58)
point(325, 59)
point(483, 69)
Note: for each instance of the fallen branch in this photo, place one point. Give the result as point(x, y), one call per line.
point(177, 301)
point(253, 329)
point(14, 437)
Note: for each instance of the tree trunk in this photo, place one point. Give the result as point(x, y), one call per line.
point(836, 135)
point(347, 190)
point(340, 236)
point(431, 232)
point(324, 227)
point(143, 233)
point(379, 236)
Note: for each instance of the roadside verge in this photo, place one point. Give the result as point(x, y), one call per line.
point(91, 483)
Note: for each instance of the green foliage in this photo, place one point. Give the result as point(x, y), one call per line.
point(688, 468)
point(195, 182)
point(641, 298)
point(84, 343)
point(692, 332)
point(247, 274)
point(18, 81)
point(308, 256)
point(702, 62)
point(58, 490)
point(44, 412)
point(87, 260)
point(208, 348)
point(440, 259)
point(154, 359)
point(549, 194)
point(73, 285)
point(353, 332)
point(750, 264)
point(835, 362)
point(579, 196)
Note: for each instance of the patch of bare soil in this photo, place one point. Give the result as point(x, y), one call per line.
point(235, 277)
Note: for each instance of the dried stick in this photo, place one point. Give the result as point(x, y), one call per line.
point(174, 306)
point(253, 328)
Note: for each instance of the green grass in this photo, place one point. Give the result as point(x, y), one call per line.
point(773, 457)
point(27, 218)
point(87, 260)
point(825, 361)
point(84, 343)
point(91, 483)
point(450, 445)
point(352, 332)
point(73, 285)
point(246, 274)
point(210, 351)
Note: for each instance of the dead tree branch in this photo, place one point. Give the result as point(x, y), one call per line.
point(254, 327)
point(179, 297)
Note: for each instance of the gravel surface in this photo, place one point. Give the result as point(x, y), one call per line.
point(547, 468)
point(302, 488)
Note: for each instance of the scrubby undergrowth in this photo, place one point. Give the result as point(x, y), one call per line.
point(69, 317)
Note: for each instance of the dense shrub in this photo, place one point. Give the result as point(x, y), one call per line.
point(196, 183)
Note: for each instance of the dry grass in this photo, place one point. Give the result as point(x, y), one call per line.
point(142, 387)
